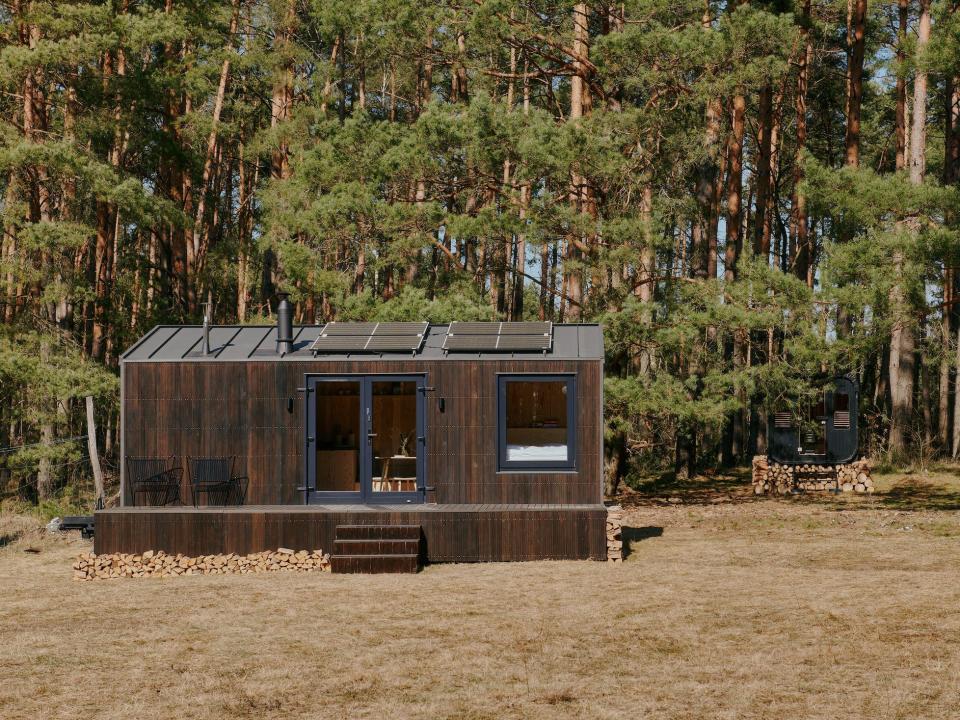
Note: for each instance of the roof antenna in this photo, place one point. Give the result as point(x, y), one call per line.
point(207, 314)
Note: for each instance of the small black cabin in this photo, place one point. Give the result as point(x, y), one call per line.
point(488, 436)
point(826, 434)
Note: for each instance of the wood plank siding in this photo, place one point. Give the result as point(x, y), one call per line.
point(456, 533)
point(196, 408)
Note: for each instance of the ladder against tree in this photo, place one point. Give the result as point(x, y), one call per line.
point(376, 549)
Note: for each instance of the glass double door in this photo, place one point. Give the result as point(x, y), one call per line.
point(365, 438)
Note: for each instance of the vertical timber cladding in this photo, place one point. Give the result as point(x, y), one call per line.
point(452, 533)
point(194, 408)
point(219, 408)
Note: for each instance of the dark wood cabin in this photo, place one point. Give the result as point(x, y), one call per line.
point(488, 436)
point(825, 434)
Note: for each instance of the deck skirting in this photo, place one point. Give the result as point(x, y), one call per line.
point(451, 533)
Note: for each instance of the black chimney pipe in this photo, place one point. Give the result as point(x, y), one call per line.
point(205, 347)
point(284, 325)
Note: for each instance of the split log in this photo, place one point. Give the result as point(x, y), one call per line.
point(614, 533)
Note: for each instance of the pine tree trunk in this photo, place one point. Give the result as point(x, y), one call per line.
point(544, 281)
point(902, 340)
point(951, 166)
point(201, 234)
point(956, 403)
point(579, 106)
point(902, 349)
point(708, 181)
point(281, 103)
point(519, 277)
point(918, 125)
point(45, 480)
point(735, 186)
point(246, 187)
point(424, 93)
point(856, 45)
point(926, 379)
point(736, 351)
point(103, 256)
point(770, 211)
point(361, 72)
point(803, 250)
point(901, 92)
point(704, 249)
point(9, 252)
point(943, 396)
point(761, 240)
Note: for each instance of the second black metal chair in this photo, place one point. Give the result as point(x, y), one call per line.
point(154, 480)
point(214, 477)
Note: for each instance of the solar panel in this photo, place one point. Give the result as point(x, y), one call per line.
point(374, 328)
point(497, 328)
point(370, 337)
point(340, 343)
point(499, 337)
point(497, 343)
point(349, 328)
point(526, 328)
point(398, 343)
point(401, 328)
point(470, 342)
point(474, 328)
point(523, 342)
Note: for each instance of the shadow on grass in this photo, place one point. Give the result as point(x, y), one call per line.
point(10, 538)
point(633, 535)
point(731, 486)
point(938, 490)
point(914, 494)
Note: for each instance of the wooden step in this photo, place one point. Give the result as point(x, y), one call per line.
point(375, 563)
point(376, 547)
point(378, 532)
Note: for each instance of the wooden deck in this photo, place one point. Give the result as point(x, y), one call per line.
point(451, 533)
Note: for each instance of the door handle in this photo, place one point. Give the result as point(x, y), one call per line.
point(371, 435)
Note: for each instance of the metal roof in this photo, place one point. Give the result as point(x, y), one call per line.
point(240, 343)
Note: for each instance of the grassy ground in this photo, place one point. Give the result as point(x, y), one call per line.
point(727, 607)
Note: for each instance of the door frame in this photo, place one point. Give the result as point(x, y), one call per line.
point(366, 495)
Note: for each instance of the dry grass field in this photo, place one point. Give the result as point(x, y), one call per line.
point(727, 607)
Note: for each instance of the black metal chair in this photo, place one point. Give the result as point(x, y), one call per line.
point(155, 479)
point(214, 477)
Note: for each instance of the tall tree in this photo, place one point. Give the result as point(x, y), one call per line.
point(903, 337)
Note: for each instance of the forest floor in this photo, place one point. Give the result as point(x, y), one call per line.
point(727, 606)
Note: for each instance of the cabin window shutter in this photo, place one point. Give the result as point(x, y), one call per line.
point(841, 411)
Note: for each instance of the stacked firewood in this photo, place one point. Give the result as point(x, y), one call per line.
point(614, 533)
point(818, 477)
point(776, 479)
point(771, 477)
point(160, 564)
point(855, 477)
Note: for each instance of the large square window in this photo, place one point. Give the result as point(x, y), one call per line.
point(535, 422)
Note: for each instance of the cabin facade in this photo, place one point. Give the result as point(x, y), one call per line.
point(487, 436)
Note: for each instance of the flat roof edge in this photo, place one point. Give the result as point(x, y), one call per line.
point(163, 343)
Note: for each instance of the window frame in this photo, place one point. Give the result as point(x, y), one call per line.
point(505, 465)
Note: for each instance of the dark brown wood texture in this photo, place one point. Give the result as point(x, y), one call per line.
point(451, 533)
point(240, 408)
